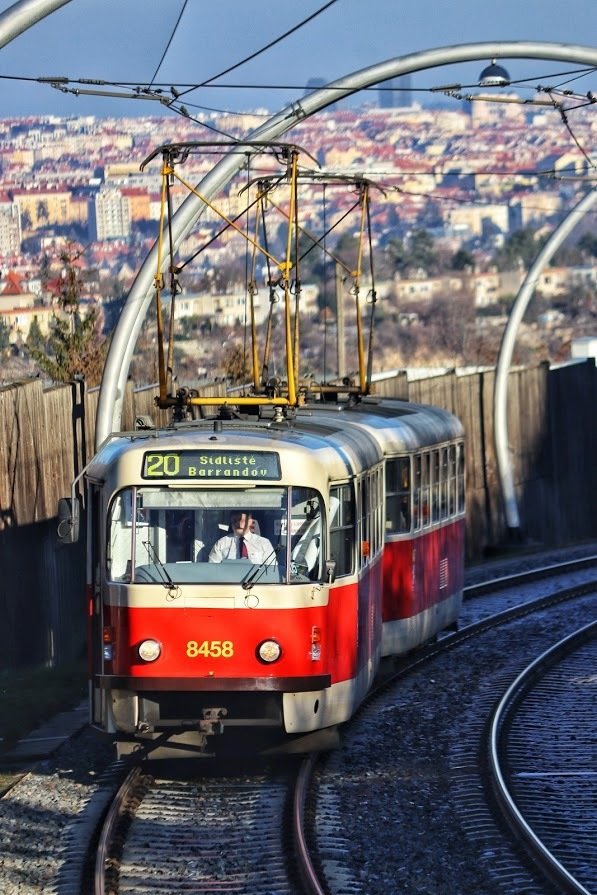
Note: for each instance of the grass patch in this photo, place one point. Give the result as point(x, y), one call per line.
point(30, 696)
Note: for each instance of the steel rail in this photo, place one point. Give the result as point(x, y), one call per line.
point(111, 822)
point(453, 640)
point(308, 874)
point(546, 859)
point(505, 581)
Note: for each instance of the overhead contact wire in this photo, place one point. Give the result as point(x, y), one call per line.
point(174, 30)
point(263, 49)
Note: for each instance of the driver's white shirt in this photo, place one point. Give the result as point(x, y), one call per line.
point(259, 550)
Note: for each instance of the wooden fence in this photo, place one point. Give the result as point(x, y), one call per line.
point(46, 438)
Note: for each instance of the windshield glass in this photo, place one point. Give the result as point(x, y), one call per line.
point(246, 535)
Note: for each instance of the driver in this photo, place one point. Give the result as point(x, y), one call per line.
point(243, 542)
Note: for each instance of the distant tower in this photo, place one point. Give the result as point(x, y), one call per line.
point(395, 93)
point(314, 84)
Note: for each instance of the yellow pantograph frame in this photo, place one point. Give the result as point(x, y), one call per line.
point(294, 395)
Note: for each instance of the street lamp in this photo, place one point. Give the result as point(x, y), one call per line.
point(494, 75)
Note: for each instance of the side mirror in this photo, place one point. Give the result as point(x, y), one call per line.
point(69, 515)
point(330, 571)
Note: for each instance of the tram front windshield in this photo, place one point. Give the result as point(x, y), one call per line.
point(183, 535)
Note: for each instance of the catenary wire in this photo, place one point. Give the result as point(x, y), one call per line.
point(171, 38)
point(157, 89)
point(267, 46)
point(186, 87)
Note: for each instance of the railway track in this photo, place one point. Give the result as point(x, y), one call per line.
point(230, 833)
point(260, 832)
point(554, 571)
point(414, 768)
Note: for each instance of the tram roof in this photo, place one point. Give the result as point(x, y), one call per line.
point(344, 454)
point(347, 437)
point(397, 426)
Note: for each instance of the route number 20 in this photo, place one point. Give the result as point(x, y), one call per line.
point(162, 465)
point(210, 649)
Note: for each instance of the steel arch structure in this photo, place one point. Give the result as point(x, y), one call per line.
point(500, 391)
point(22, 15)
point(125, 335)
point(26, 13)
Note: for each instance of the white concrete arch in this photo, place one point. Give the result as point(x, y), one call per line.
point(118, 361)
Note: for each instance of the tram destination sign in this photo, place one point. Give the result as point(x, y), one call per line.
point(222, 465)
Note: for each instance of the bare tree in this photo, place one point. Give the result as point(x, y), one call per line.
point(76, 346)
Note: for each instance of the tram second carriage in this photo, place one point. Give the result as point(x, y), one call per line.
point(357, 528)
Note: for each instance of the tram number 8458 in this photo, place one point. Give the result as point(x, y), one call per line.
point(210, 649)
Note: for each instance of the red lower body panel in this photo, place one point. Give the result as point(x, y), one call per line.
point(421, 572)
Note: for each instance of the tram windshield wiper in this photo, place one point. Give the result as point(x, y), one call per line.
point(172, 588)
point(256, 572)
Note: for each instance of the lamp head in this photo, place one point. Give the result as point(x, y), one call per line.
point(494, 76)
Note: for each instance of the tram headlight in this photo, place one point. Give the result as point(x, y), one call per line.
point(269, 651)
point(149, 650)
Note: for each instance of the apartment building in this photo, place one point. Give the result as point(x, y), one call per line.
point(10, 227)
point(109, 215)
point(40, 207)
point(18, 321)
point(471, 220)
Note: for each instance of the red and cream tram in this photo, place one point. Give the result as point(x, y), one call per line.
point(249, 571)
point(354, 523)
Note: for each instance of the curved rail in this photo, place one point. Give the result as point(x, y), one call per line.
point(547, 860)
point(111, 822)
point(493, 584)
point(307, 871)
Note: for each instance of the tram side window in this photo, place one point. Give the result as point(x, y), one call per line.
point(369, 496)
point(435, 477)
point(342, 528)
point(306, 516)
point(460, 478)
point(365, 520)
point(425, 477)
point(451, 477)
point(398, 482)
point(443, 483)
point(422, 490)
point(120, 533)
point(417, 470)
point(378, 509)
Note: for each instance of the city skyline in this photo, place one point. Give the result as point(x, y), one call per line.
point(122, 42)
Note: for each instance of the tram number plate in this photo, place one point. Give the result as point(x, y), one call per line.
point(210, 649)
